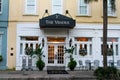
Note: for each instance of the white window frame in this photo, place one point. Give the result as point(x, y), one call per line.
point(112, 13)
point(88, 9)
point(1, 7)
point(60, 11)
point(34, 5)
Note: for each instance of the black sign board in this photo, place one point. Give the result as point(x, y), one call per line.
point(57, 21)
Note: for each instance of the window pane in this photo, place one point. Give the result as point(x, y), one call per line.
point(21, 48)
point(30, 1)
point(0, 5)
point(57, 2)
point(83, 7)
point(56, 6)
point(116, 49)
point(27, 38)
point(83, 10)
point(0, 43)
point(31, 6)
point(110, 12)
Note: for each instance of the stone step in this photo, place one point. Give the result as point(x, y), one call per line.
point(55, 67)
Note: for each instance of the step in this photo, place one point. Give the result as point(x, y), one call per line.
point(55, 67)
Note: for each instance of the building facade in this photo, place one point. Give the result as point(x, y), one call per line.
point(3, 32)
point(58, 31)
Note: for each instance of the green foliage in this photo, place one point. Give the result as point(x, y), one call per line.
point(72, 64)
point(70, 50)
point(28, 50)
point(40, 64)
point(39, 53)
point(83, 52)
point(1, 58)
point(109, 51)
point(102, 73)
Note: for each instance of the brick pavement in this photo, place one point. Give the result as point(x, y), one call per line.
point(42, 75)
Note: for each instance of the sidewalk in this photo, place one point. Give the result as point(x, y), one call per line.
point(42, 75)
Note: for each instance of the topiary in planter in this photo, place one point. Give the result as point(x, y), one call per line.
point(1, 58)
point(72, 64)
point(40, 64)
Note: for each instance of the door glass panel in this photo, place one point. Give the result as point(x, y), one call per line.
point(60, 54)
point(51, 54)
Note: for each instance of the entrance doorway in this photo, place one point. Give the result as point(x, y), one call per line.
point(56, 51)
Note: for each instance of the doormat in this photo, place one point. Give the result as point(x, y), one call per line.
point(57, 72)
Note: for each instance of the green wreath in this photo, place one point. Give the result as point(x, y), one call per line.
point(83, 52)
point(28, 51)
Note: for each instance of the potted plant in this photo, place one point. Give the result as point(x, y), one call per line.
point(72, 64)
point(39, 53)
point(1, 58)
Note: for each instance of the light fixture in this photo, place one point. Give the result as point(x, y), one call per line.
point(43, 42)
point(46, 12)
point(67, 12)
point(70, 42)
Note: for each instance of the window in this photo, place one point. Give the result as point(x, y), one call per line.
point(29, 38)
point(84, 45)
point(83, 8)
point(56, 6)
point(112, 46)
point(0, 6)
point(0, 43)
point(30, 7)
point(110, 11)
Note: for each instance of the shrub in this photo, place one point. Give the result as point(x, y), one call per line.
point(102, 73)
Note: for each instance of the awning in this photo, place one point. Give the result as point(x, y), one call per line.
point(57, 21)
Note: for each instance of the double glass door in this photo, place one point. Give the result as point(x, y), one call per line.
point(56, 54)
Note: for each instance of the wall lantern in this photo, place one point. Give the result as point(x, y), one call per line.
point(46, 12)
point(43, 42)
point(70, 42)
point(67, 13)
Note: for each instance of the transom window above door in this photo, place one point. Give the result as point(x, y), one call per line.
point(56, 39)
point(83, 39)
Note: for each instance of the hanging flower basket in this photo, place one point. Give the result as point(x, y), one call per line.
point(83, 52)
point(109, 51)
point(1, 58)
point(28, 51)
